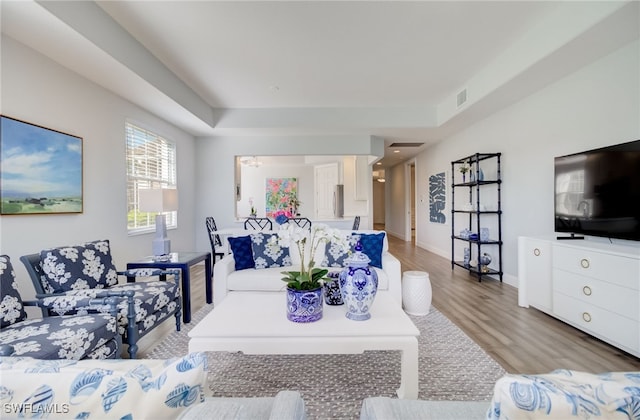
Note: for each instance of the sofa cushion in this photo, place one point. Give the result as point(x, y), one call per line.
point(285, 405)
point(242, 252)
point(11, 307)
point(267, 252)
point(117, 389)
point(385, 408)
point(87, 266)
point(59, 337)
point(269, 280)
point(150, 298)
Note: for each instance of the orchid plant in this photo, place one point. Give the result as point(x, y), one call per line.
point(309, 277)
point(465, 167)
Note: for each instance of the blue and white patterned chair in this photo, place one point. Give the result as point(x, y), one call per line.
point(80, 336)
point(88, 270)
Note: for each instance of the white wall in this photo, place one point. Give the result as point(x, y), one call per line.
point(39, 91)
point(596, 106)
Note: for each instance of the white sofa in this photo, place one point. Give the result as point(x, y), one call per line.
point(227, 279)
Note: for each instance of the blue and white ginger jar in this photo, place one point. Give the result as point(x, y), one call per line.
point(358, 285)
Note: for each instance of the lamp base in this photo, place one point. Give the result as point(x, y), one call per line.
point(161, 244)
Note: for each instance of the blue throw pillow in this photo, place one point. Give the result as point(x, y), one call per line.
point(242, 252)
point(372, 247)
point(267, 252)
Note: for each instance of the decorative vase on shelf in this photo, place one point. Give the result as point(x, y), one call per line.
point(358, 285)
point(467, 257)
point(332, 294)
point(484, 260)
point(304, 305)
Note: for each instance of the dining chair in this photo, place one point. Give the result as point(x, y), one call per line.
point(303, 222)
point(356, 223)
point(217, 248)
point(258, 223)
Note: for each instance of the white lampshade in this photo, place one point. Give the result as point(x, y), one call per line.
point(159, 200)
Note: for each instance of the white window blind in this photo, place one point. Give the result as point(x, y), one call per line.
point(151, 163)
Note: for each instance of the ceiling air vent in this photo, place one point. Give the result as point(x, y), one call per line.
point(405, 144)
point(461, 98)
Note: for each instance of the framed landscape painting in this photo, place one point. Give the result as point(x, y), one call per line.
point(40, 169)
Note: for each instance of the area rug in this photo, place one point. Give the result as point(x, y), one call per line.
point(452, 367)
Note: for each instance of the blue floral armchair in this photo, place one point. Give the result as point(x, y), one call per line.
point(80, 336)
point(88, 271)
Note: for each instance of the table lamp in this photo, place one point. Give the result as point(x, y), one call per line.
point(159, 201)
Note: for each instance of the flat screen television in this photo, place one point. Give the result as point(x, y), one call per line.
point(597, 192)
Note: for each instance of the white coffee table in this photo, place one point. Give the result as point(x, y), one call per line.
point(256, 323)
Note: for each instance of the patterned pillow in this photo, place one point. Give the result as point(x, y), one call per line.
point(267, 252)
point(372, 247)
point(566, 394)
point(242, 253)
point(101, 389)
point(11, 308)
point(87, 266)
point(335, 256)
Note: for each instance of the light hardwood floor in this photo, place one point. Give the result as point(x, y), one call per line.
point(521, 340)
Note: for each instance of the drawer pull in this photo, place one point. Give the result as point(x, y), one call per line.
point(536, 252)
point(584, 263)
point(586, 290)
point(586, 316)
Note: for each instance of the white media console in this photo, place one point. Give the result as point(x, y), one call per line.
point(590, 284)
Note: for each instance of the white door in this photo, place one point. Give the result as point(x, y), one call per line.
point(326, 179)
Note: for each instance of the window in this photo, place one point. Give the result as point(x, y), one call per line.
point(151, 163)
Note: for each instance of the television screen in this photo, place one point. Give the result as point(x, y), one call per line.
point(597, 192)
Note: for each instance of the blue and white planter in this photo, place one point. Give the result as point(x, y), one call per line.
point(304, 305)
point(359, 285)
point(332, 293)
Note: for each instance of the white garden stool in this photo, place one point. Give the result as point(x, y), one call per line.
point(416, 292)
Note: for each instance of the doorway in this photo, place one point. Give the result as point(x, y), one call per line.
point(410, 201)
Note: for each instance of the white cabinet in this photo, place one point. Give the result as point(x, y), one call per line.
point(534, 273)
point(362, 178)
point(593, 286)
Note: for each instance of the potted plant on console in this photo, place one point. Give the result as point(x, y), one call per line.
point(304, 287)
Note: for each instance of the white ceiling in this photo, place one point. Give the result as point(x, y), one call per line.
point(385, 68)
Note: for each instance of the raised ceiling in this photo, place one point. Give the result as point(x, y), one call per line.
point(390, 69)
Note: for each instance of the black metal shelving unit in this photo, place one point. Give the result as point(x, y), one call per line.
point(473, 217)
